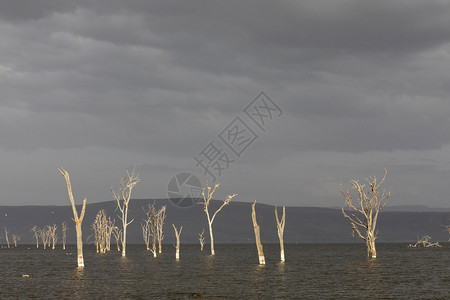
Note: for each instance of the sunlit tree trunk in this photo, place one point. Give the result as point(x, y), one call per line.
point(6, 236)
point(64, 234)
point(122, 197)
point(370, 202)
point(53, 235)
point(256, 228)
point(35, 230)
point(159, 227)
point(207, 194)
point(201, 239)
point(280, 228)
point(177, 234)
point(77, 220)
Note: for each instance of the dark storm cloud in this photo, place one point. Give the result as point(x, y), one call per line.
point(24, 10)
point(159, 79)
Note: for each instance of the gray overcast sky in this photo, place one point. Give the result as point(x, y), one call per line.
point(100, 86)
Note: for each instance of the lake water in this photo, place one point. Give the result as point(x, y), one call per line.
point(311, 271)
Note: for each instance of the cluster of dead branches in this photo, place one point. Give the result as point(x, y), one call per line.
point(47, 234)
point(152, 227)
point(364, 214)
point(103, 228)
point(425, 241)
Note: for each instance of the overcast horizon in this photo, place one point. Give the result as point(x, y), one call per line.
point(351, 87)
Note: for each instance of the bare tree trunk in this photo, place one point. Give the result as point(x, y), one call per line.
point(159, 227)
point(122, 197)
point(53, 235)
point(177, 234)
point(259, 246)
point(77, 219)
point(206, 202)
point(280, 228)
point(35, 230)
point(64, 234)
point(6, 236)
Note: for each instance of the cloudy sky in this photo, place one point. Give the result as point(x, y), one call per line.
point(98, 87)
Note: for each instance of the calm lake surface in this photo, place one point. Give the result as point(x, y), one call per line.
point(311, 271)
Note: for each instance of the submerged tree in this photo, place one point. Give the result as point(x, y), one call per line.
point(77, 219)
point(425, 241)
point(6, 237)
point(122, 196)
point(149, 228)
point(207, 194)
point(280, 228)
point(15, 238)
point(161, 216)
point(117, 233)
point(369, 204)
point(45, 236)
point(201, 239)
point(101, 231)
point(177, 234)
point(35, 230)
point(64, 234)
point(53, 235)
point(256, 228)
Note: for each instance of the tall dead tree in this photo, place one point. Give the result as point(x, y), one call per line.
point(122, 196)
point(177, 234)
point(77, 219)
point(256, 228)
point(53, 235)
point(159, 227)
point(150, 227)
point(364, 214)
point(201, 239)
point(6, 236)
point(208, 194)
point(280, 228)
point(64, 234)
point(35, 230)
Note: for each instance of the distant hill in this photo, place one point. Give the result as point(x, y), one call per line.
point(233, 224)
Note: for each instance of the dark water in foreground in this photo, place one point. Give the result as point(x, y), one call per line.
point(312, 271)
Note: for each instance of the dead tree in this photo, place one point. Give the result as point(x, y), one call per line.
point(370, 202)
point(159, 227)
point(280, 228)
point(35, 230)
point(259, 246)
point(146, 234)
point(45, 236)
point(206, 202)
point(150, 227)
point(177, 234)
point(64, 234)
point(425, 242)
point(53, 235)
point(117, 233)
point(201, 239)
point(6, 236)
point(122, 196)
point(76, 219)
point(100, 228)
point(15, 238)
